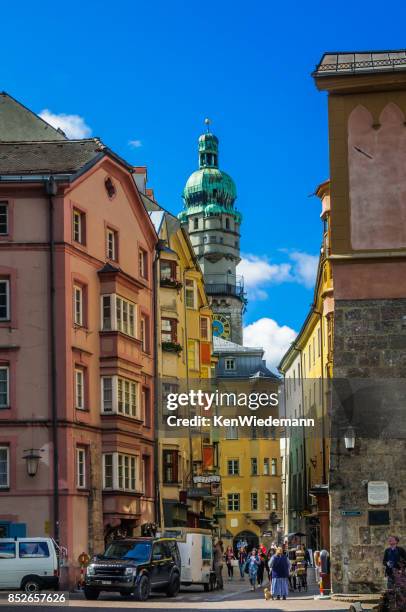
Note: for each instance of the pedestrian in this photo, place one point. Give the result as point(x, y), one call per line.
point(253, 564)
point(306, 555)
point(261, 566)
point(279, 565)
point(229, 557)
point(270, 553)
point(394, 557)
point(218, 564)
point(242, 559)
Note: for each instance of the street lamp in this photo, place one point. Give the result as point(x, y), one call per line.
point(349, 439)
point(32, 457)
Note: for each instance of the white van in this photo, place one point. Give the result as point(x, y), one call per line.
point(196, 552)
point(29, 564)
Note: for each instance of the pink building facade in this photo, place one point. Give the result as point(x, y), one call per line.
point(76, 347)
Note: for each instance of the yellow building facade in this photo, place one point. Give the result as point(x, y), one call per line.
point(249, 459)
point(184, 356)
point(307, 369)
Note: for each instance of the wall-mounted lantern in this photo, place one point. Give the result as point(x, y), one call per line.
point(349, 439)
point(32, 457)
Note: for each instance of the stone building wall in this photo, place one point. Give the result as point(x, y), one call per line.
point(369, 343)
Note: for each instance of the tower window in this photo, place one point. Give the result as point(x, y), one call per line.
point(195, 223)
point(227, 223)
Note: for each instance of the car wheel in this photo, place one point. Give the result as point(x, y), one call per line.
point(91, 593)
point(32, 585)
point(142, 589)
point(174, 586)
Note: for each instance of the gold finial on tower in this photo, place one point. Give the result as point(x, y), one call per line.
point(207, 121)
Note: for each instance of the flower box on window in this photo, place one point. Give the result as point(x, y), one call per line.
point(171, 347)
point(171, 283)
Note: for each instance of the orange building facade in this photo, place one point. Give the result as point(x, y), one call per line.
point(76, 347)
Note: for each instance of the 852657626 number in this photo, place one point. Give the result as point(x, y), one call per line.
point(38, 598)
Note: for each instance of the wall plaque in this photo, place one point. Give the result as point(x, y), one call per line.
point(378, 517)
point(378, 493)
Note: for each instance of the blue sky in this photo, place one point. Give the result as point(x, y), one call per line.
point(150, 72)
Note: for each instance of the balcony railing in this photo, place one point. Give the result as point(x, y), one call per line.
point(225, 284)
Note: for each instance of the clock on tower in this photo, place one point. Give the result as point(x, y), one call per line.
point(221, 326)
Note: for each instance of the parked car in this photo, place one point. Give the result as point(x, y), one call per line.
point(135, 566)
point(30, 564)
point(196, 552)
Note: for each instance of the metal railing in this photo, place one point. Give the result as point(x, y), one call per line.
point(362, 65)
point(224, 284)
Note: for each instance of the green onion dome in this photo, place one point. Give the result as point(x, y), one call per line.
point(209, 189)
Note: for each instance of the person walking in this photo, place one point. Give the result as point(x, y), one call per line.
point(279, 565)
point(229, 557)
point(270, 553)
point(218, 564)
point(242, 559)
point(393, 558)
point(261, 566)
point(253, 564)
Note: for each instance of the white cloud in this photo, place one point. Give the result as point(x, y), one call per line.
point(259, 272)
point(136, 144)
point(305, 268)
point(274, 338)
point(74, 126)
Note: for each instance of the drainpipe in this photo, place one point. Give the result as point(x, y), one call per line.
point(323, 445)
point(187, 371)
point(51, 189)
point(305, 483)
point(155, 281)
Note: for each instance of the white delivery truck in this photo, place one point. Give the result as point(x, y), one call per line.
point(196, 553)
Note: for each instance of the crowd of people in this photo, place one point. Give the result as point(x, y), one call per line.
point(283, 569)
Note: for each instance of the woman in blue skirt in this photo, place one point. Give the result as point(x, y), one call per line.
point(252, 565)
point(279, 565)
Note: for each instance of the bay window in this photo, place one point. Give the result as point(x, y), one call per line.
point(190, 293)
point(118, 314)
point(167, 270)
point(120, 472)
point(169, 330)
point(120, 396)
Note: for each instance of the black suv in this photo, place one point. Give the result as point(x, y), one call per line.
point(135, 566)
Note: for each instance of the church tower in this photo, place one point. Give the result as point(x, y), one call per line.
point(213, 225)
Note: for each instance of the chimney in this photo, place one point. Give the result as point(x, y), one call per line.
point(150, 193)
point(140, 178)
